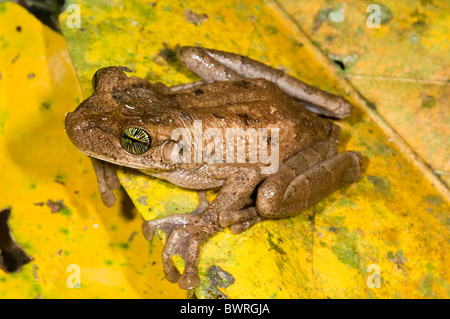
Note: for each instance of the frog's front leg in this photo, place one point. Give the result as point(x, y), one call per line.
point(185, 233)
point(214, 65)
point(107, 180)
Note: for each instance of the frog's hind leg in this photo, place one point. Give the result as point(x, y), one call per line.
point(183, 239)
point(280, 196)
point(206, 66)
point(185, 86)
point(213, 65)
point(274, 187)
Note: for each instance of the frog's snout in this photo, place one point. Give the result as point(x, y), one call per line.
point(79, 130)
point(68, 121)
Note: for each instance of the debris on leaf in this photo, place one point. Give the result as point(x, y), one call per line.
point(12, 256)
point(344, 61)
point(130, 239)
point(337, 15)
point(213, 293)
point(219, 277)
point(56, 207)
point(195, 18)
point(35, 269)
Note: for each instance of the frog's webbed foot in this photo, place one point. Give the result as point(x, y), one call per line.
point(184, 236)
point(169, 223)
point(185, 233)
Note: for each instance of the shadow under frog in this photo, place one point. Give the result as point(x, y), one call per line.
point(129, 122)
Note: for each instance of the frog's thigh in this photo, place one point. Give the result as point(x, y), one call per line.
point(272, 192)
point(280, 199)
point(311, 186)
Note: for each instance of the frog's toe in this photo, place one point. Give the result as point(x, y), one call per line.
point(184, 242)
point(148, 229)
point(190, 279)
point(166, 224)
point(243, 226)
point(229, 218)
point(175, 245)
point(203, 203)
point(185, 233)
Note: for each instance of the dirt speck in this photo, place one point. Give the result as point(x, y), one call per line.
point(219, 277)
point(195, 18)
point(12, 256)
point(56, 207)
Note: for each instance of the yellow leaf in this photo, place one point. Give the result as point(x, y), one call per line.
point(395, 217)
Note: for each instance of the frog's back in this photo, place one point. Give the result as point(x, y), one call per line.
point(254, 103)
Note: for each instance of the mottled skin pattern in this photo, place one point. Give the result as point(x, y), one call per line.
point(236, 92)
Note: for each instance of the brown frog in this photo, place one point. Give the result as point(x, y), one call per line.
point(131, 122)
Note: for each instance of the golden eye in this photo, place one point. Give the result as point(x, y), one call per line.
point(135, 140)
point(95, 78)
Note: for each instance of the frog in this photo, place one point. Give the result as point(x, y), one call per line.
point(130, 122)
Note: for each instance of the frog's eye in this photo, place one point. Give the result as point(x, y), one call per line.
point(135, 140)
point(96, 77)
